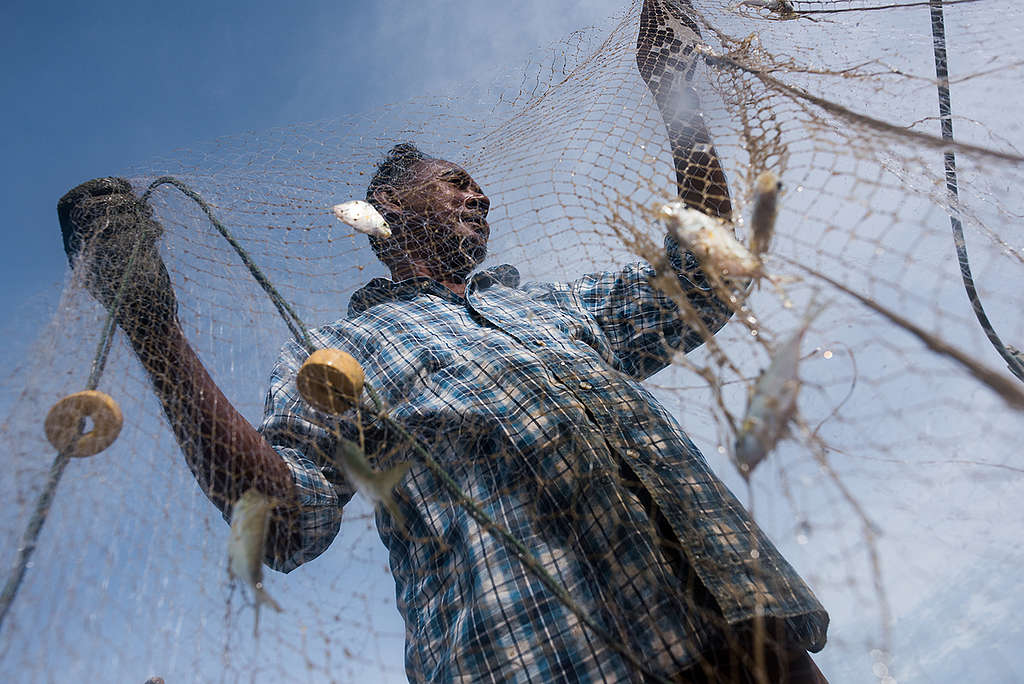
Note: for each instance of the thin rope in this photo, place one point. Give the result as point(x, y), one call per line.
point(288, 314)
point(946, 119)
point(30, 538)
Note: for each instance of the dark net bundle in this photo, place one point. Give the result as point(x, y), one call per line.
point(573, 428)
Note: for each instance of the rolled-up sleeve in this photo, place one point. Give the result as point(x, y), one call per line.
point(303, 437)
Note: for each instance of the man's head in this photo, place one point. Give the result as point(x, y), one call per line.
point(437, 214)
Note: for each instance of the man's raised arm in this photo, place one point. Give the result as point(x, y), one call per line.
point(667, 59)
point(101, 220)
point(643, 322)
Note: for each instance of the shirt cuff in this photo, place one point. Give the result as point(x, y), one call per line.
point(319, 516)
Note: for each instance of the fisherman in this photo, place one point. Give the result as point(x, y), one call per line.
point(529, 396)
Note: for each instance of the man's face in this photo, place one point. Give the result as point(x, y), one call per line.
point(442, 217)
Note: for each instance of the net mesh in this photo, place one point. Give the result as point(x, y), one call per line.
point(893, 493)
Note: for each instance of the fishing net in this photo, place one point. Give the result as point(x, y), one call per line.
point(894, 494)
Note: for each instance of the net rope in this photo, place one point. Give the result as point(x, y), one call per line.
point(892, 493)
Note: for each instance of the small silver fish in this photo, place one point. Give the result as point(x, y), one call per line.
point(766, 207)
point(362, 216)
point(375, 485)
point(250, 518)
point(772, 403)
point(711, 241)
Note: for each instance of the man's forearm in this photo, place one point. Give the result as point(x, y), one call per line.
point(666, 59)
point(225, 453)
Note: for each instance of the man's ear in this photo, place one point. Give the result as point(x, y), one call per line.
point(388, 199)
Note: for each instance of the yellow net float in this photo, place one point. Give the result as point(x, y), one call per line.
point(330, 380)
point(64, 422)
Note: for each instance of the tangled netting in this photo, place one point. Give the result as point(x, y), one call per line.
point(893, 488)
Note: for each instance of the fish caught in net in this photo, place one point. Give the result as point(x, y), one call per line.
point(656, 361)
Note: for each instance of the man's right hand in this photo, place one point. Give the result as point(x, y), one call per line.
point(102, 221)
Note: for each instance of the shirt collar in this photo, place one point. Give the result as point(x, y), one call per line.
point(383, 290)
point(504, 274)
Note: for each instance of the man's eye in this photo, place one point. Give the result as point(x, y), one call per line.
point(459, 181)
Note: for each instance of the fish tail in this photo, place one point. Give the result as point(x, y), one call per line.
point(814, 310)
point(262, 597)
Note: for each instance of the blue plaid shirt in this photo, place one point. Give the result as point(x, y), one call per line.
point(530, 397)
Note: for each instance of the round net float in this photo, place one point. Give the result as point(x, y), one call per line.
point(330, 380)
point(64, 422)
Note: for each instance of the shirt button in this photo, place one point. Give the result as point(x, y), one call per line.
point(586, 385)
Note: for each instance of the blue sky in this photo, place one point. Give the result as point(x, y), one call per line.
point(93, 88)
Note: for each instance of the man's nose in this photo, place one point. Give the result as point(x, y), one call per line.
point(478, 202)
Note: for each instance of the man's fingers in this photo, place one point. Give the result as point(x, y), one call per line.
point(105, 217)
point(95, 188)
